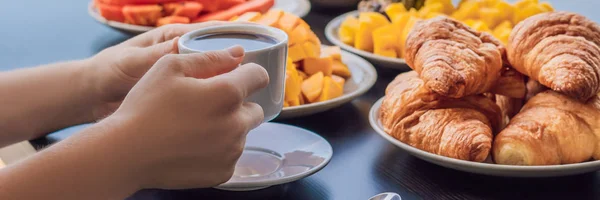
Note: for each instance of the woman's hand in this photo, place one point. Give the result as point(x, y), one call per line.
point(182, 126)
point(115, 70)
point(188, 120)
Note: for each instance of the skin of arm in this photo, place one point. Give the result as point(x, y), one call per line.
point(75, 168)
point(36, 101)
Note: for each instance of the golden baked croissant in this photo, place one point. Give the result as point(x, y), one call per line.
point(551, 129)
point(452, 59)
point(560, 50)
point(457, 128)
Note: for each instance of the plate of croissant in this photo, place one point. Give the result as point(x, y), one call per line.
point(530, 108)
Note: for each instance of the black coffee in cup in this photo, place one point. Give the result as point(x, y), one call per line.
point(219, 41)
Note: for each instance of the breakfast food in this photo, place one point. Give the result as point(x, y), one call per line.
point(162, 12)
point(537, 123)
point(314, 73)
point(560, 50)
point(457, 128)
point(551, 129)
point(496, 17)
point(452, 59)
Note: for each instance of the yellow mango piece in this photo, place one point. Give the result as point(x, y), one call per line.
point(431, 8)
point(248, 17)
point(528, 11)
point(504, 25)
point(489, 3)
point(340, 69)
point(330, 90)
point(525, 3)
point(367, 23)
point(385, 40)
point(288, 22)
point(286, 104)
point(348, 30)
point(401, 19)
point(432, 15)
point(447, 5)
point(413, 12)
point(298, 35)
point(547, 6)
point(296, 53)
point(334, 52)
point(491, 16)
point(339, 80)
point(395, 9)
point(409, 25)
point(478, 25)
point(301, 99)
point(506, 10)
point(292, 84)
point(270, 18)
point(318, 64)
point(468, 10)
point(312, 87)
point(502, 34)
point(312, 50)
point(294, 101)
point(302, 75)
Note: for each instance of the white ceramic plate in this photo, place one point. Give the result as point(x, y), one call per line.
point(278, 154)
point(331, 32)
point(483, 168)
point(298, 7)
point(363, 78)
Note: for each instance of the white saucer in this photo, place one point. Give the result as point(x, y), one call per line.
point(299, 8)
point(485, 168)
point(277, 154)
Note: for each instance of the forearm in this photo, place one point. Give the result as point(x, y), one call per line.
point(36, 101)
point(89, 165)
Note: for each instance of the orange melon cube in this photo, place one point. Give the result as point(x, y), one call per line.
point(319, 64)
point(270, 18)
point(330, 89)
point(339, 80)
point(247, 17)
point(312, 87)
point(340, 69)
point(334, 51)
point(296, 53)
point(288, 22)
point(302, 75)
point(312, 50)
point(298, 35)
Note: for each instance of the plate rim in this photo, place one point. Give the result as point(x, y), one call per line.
point(93, 12)
point(496, 168)
point(289, 179)
point(331, 29)
point(363, 87)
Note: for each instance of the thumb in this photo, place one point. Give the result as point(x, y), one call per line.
point(212, 63)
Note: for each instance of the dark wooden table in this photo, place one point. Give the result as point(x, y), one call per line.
point(364, 164)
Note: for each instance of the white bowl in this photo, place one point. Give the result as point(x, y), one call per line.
point(486, 168)
point(331, 32)
point(363, 78)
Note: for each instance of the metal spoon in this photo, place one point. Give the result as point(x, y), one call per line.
point(386, 196)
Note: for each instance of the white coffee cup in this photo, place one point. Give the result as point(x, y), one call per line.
point(272, 58)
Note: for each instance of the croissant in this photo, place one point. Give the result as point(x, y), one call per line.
point(551, 129)
point(560, 50)
point(457, 128)
point(452, 59)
